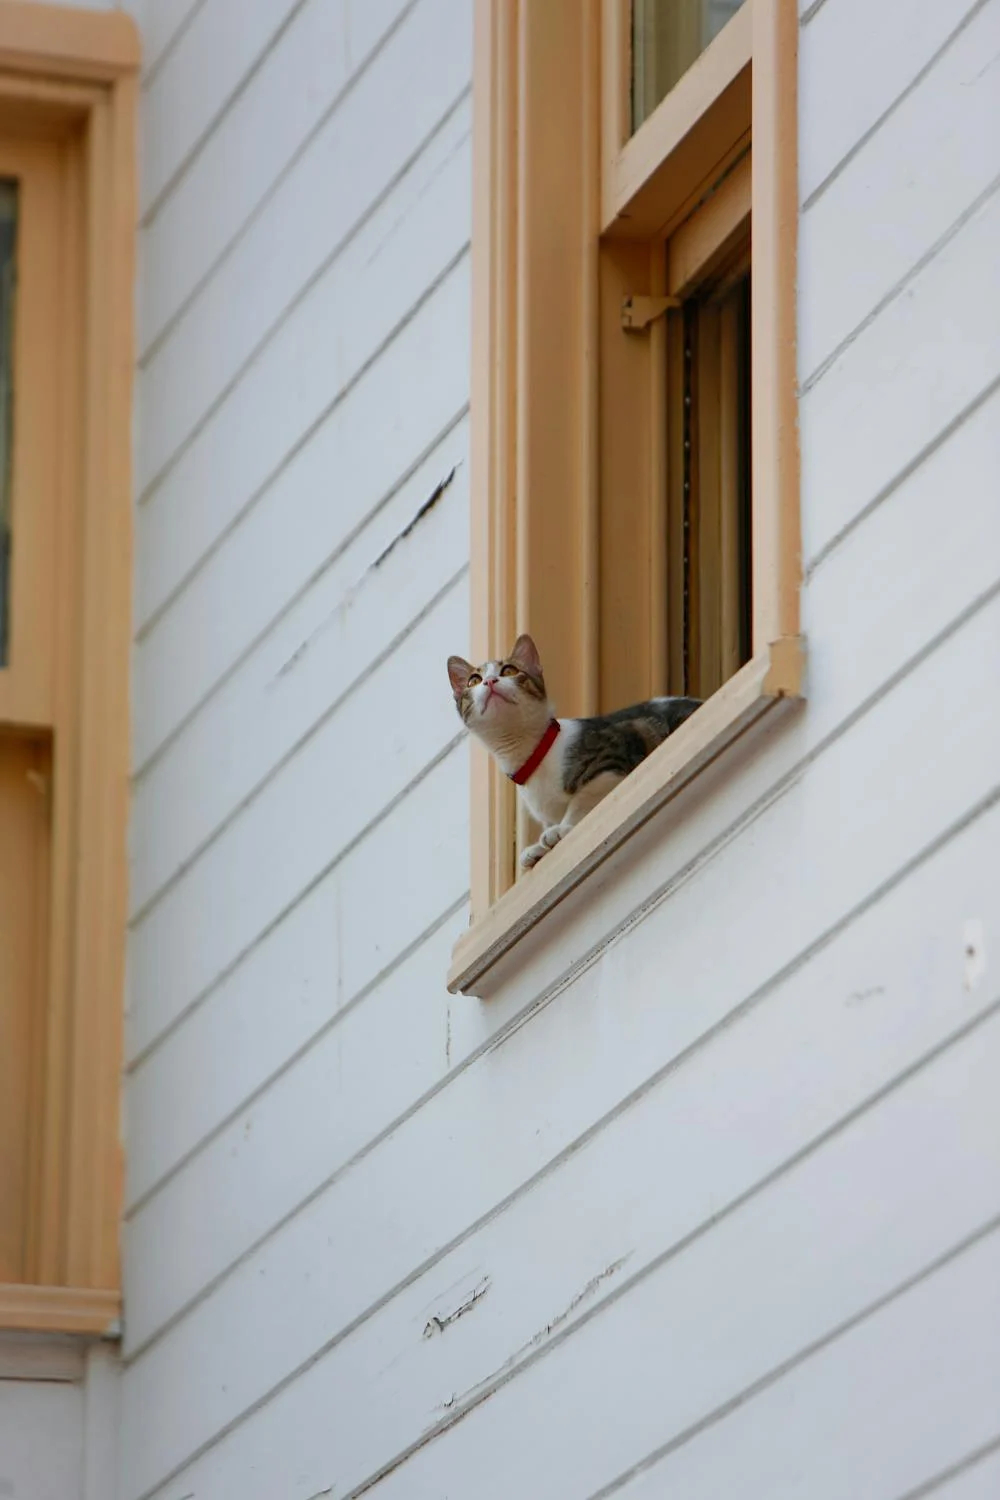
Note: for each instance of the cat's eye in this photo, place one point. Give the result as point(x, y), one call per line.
point(475, 678)
point(509, 670)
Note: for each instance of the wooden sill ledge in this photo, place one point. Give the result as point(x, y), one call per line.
point(774, 676)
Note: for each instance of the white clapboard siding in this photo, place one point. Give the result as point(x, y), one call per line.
point(785, 1270)
point(909, 185)
point(301, 822)
point(881, 49)
point(703, 1200)
point(389, 421)
point(328, 639)
point(279, 704)
point(311, 811)
point(901, 382)
point(891, 572)
point(257, 1027)
point(316, 355)
point(328, 957)
point(877, 1004)
point(722, 1316)
point(161, 25)
point(241, 162)
point(324, 638)
point(196, 83)
point(878, 1412)
point(415, 82)
point(401, 1213)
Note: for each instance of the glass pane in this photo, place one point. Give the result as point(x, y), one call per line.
point(667, 36)
point(8, 282)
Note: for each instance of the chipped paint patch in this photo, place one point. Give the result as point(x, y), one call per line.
point(438, 1325)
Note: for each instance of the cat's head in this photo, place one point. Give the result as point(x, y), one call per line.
point(501, 701)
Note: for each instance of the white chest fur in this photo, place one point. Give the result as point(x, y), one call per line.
point(543, 791)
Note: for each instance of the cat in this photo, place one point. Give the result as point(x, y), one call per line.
point(561, 767)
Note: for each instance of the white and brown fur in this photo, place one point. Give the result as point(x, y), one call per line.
point(505, 705)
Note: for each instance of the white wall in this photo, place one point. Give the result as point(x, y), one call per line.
point(703, 1202)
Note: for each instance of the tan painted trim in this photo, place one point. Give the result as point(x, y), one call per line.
point(768, 679)
point(777, 537)
point(575, 441)
point(89, 339)
point(60, 1309)
point(616, 80)
point(534, 523)
point(61, 41)
point(494, 235)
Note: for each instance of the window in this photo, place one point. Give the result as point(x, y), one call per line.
point(635, 456)
point(66, 228)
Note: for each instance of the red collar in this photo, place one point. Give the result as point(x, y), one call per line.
point(541, 750)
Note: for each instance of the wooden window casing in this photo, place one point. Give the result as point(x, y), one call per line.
point(574, 452)
point(68, 85)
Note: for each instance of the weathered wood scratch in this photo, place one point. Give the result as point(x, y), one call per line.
point(438, 1325)
point(428, 505)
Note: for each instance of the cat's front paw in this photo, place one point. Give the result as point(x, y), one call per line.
point(552, 835)
point(532, 855)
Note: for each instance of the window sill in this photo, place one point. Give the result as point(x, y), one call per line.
point(60, 1309)
point(771, 678)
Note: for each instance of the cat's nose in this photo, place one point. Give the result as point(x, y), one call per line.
point(489, 681)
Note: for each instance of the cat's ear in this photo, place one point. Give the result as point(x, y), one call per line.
point(525, 655)
point(458, 674)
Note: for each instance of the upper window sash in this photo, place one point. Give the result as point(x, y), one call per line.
point(652, 178)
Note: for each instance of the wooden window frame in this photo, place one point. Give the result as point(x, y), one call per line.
point(72, 75)
point(571, 215)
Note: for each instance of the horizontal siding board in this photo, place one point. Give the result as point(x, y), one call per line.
point(418, 78)
point(315, 357)
point(401, 1213)
point(876, 1413)
point(388, 421)
point(913, 180)
point(881, 49)
point(209, 62)
point(300, 822)
point(900, 383)
point(877, 1003)
point(326, 642)
point(245, 156)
